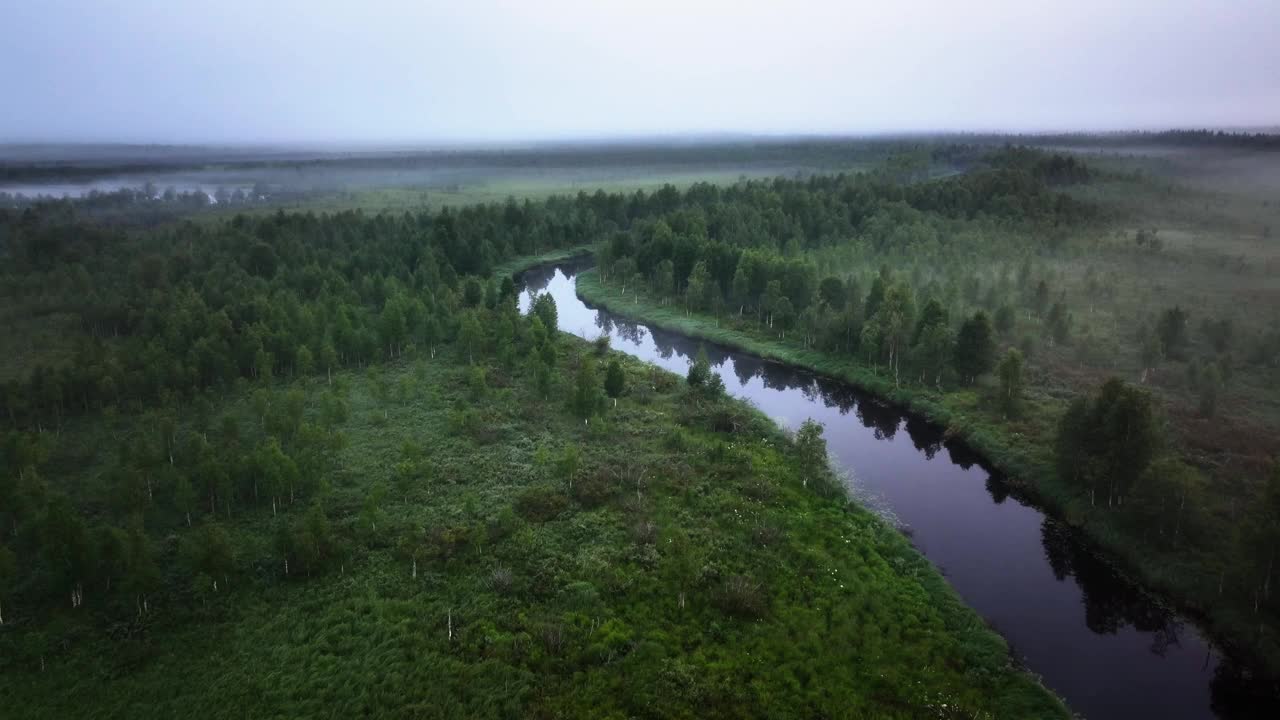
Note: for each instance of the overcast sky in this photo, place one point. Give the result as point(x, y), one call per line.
point(485, 70)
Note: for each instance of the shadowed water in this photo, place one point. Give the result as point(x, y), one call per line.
point(1096, 639)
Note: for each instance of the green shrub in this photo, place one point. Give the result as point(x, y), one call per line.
point(541, 503)
point(742, 597)
point(594, 490)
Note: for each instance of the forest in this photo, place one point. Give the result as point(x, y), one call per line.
point(336, 432)
point(630, 361)
point(296, 464)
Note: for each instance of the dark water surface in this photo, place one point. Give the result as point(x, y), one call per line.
point(1095, 638)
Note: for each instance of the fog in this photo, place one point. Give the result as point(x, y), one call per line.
point(487, 70)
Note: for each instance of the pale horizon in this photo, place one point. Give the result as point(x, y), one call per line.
point(493, 72)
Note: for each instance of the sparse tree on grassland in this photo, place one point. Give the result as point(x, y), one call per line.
point(586, 398)
point(566, 466)
point(1010, 372)
point(811, 450)
point(615, 380)
point(470, 336)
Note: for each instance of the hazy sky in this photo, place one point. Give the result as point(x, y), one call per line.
point(386, 70)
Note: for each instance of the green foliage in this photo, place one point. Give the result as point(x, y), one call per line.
point(700, 370)
point(1172, 331)
point(975, 348)
point(544, 306)
point(470, 335)
point(811, 452)
point(1106, 442)
point(1058, 324)
point(639, 598)
point(1076, 279)
point(1011, 384)
point(587, 399)
point(541, 503)
point(742, 597)
point(209, 553)
point(1005, 321)
point(477, 383)
point(594, 490)
point(832, 292)
point(567, 465)
point(615, 380)
point(475, 595)
point(1209, 383)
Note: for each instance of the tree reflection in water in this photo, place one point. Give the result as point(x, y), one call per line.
point(536, 279)
point(882, 420)
point(926, 436)
point(1111, 601)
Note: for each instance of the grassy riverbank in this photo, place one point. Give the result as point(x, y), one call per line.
point(1022, 448)
point(520, 264)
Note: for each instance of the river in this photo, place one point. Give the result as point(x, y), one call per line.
point(1096, 639)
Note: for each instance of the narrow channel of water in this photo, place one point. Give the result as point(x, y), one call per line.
point(1095, 638)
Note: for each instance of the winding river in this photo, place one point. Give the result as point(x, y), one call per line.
point(1096, 639)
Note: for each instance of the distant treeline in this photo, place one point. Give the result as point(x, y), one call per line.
point(816, 152)
point(1221, 139)
point(145, 206)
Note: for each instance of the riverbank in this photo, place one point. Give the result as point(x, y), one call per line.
point(1021, 450)
point(524, 262)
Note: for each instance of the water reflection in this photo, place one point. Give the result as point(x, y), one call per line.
point(1111, 603)
point(1108, 647)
